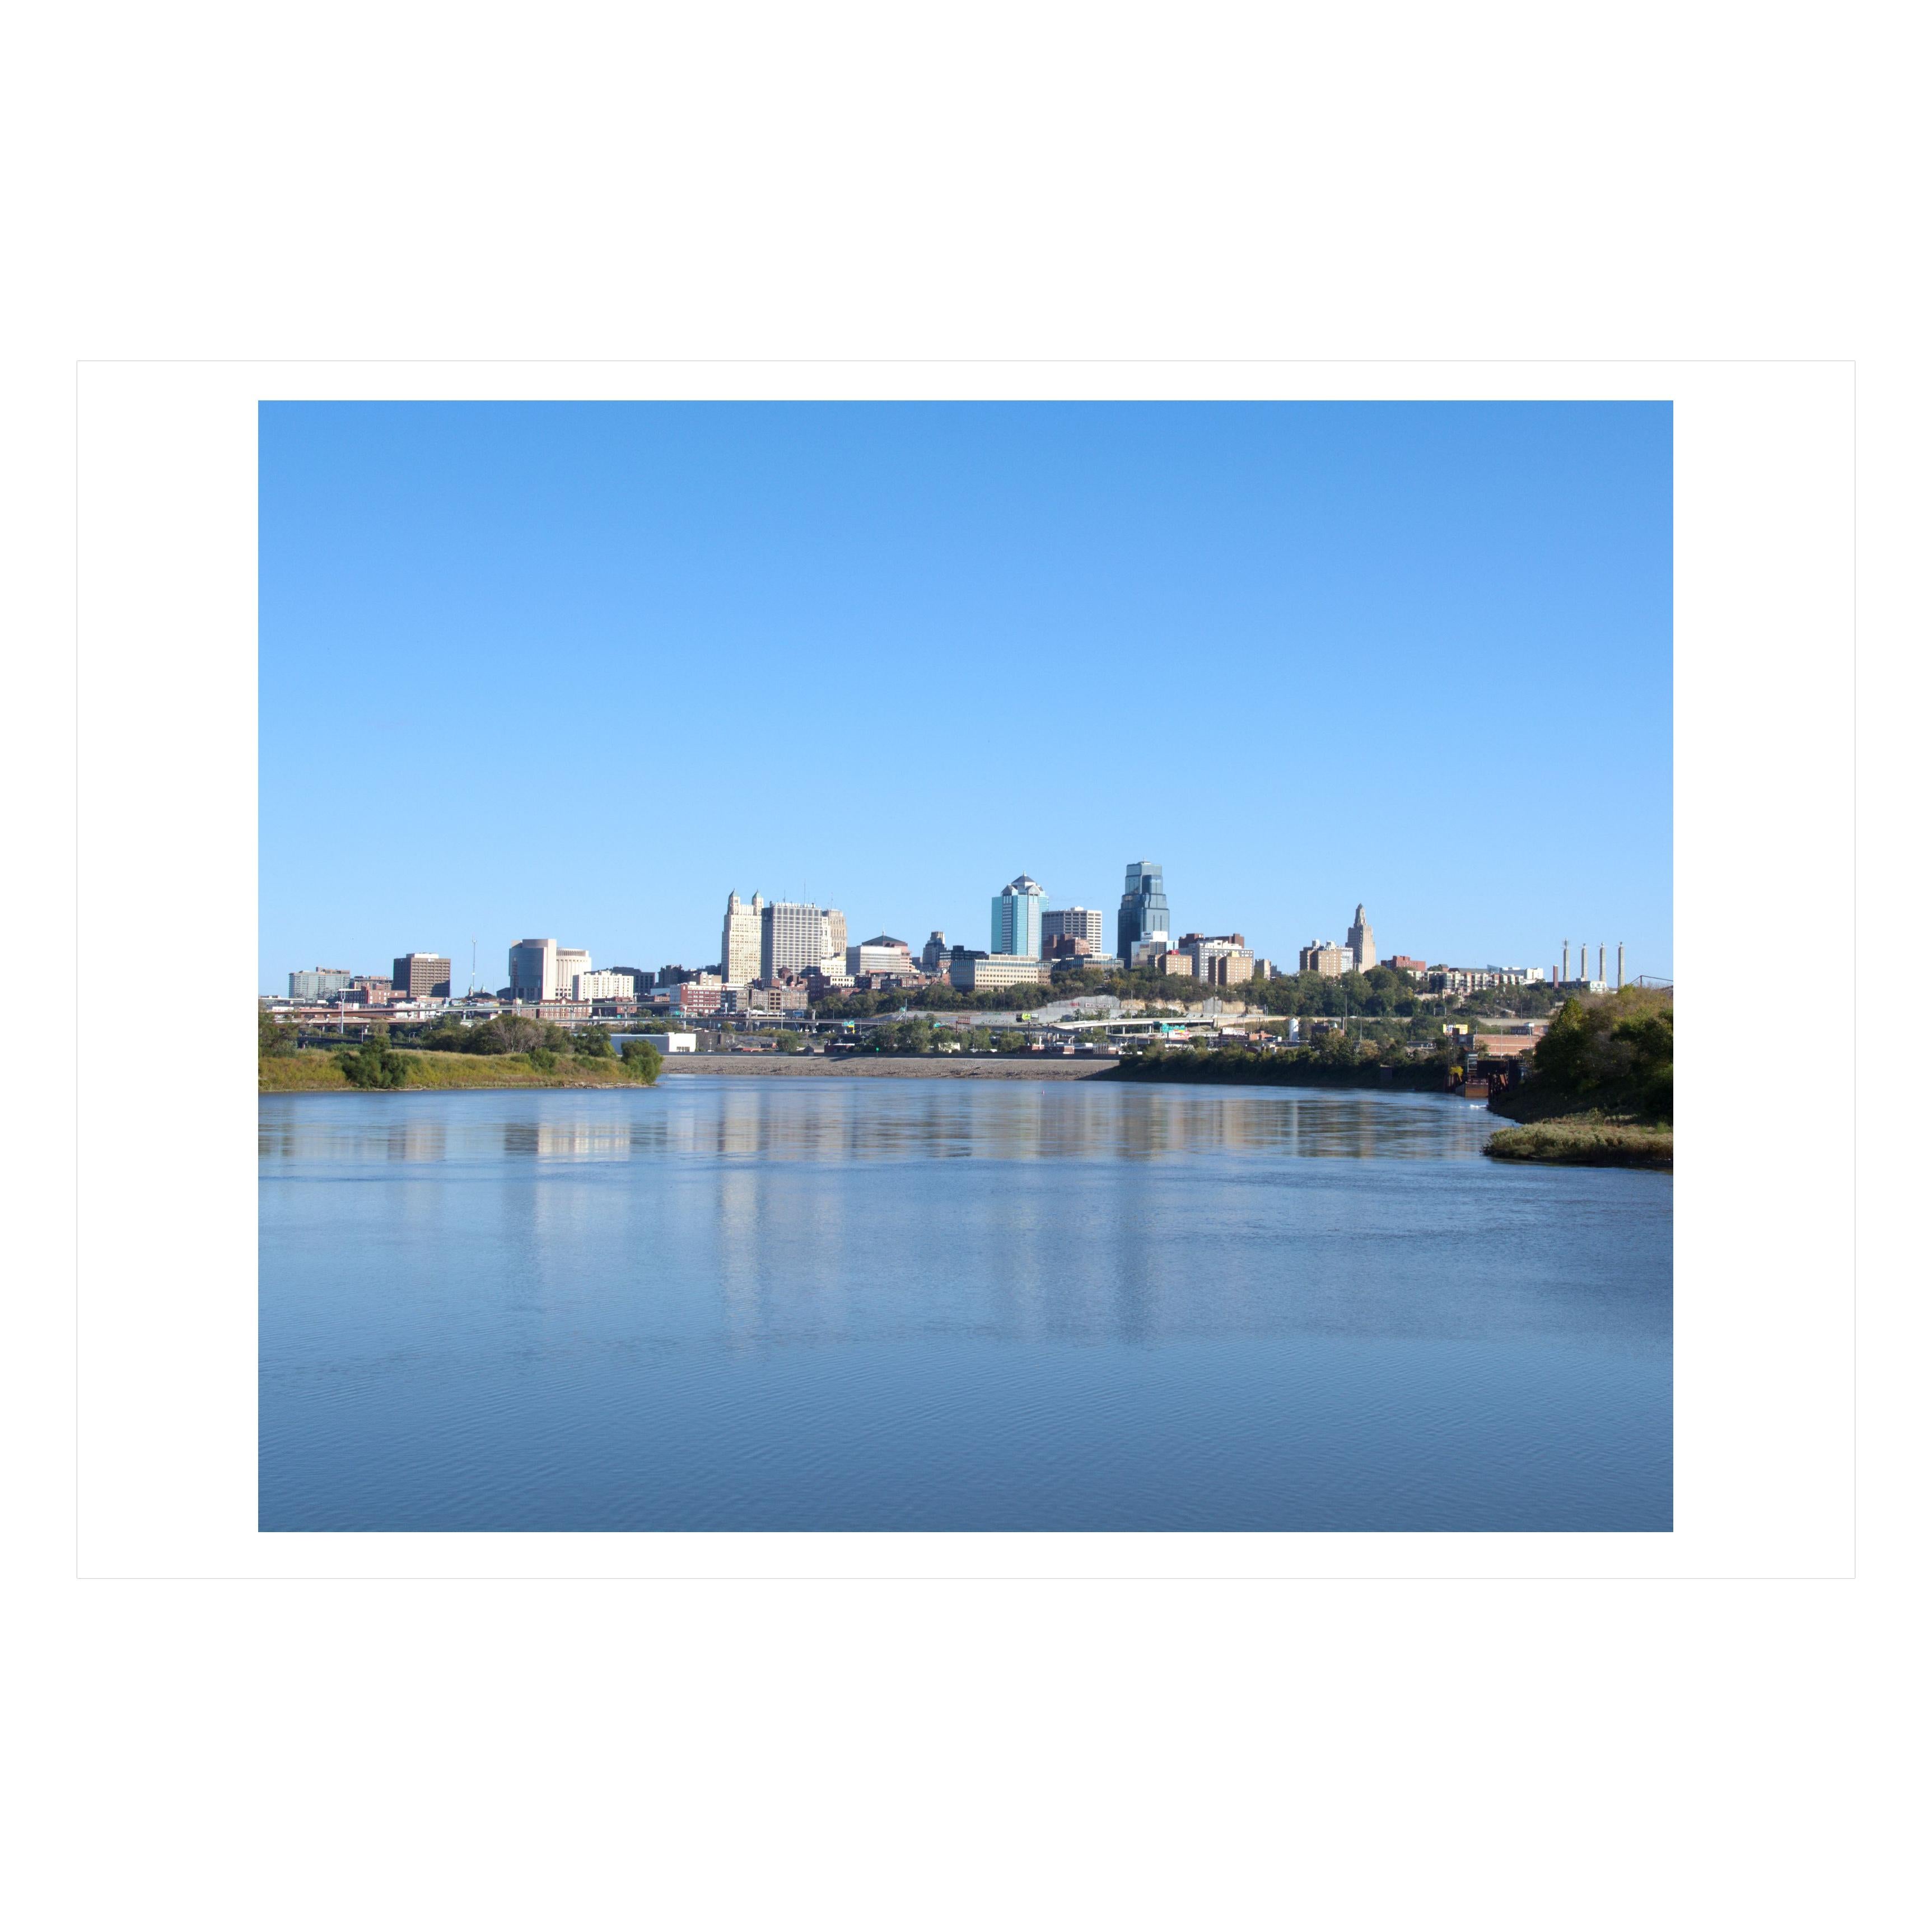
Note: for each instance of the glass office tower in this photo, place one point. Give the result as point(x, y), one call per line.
point(1143, 911)
point(1017, 913)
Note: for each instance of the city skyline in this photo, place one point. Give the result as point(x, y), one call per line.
point(1418, 655)
point(762, 941)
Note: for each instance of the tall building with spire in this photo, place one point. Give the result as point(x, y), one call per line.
point(739, 953)
point(1362, 942)
point(1017, 915)
point(1143, 913)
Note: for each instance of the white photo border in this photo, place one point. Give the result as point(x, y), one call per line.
point(167, 844)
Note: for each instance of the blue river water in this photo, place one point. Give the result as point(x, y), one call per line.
point(772, 1303)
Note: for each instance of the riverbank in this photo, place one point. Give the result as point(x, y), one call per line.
point(1552, 1126)
point(1585, 1140)
point(313, 1071)
point(310, 1071)
point(1240, 1067)
point(889, 1066)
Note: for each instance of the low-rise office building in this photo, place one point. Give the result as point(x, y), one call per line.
point(1480, 979)
point(1218, 959)
point(973, 972)
point(791, 999)
point(611, 984)
point(883, 954)
point(669, 1043)
point(1325, 957)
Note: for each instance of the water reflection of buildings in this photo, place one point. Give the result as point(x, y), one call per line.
point(424, 1139)
point(834, 1121)
point(577, 1140)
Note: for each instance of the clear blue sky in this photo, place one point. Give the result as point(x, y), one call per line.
point(581, 670)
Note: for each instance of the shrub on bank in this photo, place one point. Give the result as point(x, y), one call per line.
point(374, 1063)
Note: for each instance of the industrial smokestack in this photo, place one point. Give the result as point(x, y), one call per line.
point(1620, 965)
point(1566, 959)
point(1599, 959)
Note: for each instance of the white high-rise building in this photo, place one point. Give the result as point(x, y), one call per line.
point(739, 954)
point(1073, 922)
point(1362, 942)
point(606, 985)
point(792, 936)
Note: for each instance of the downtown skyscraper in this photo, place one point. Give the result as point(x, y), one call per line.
point(1143, 913)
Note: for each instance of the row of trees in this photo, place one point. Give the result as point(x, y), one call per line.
point(919, 1035)
point(1380, 993)
point(1336, 1054)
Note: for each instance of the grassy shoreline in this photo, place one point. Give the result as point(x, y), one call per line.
point(1585, 1140)
point(312, 1071)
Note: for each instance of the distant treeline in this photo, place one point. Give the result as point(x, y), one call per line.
point(919, 1035)
point(1333, 1061)
point(1380, 993)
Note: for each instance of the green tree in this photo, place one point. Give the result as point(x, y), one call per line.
point(786, 1040)
point(1335, 1048)
point(1010, 1039)
point(274, 1040)
point(643, 1060)
point(1616, 1051)
point(374, 1063)
point(507, 1033)
point(593, 1042)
